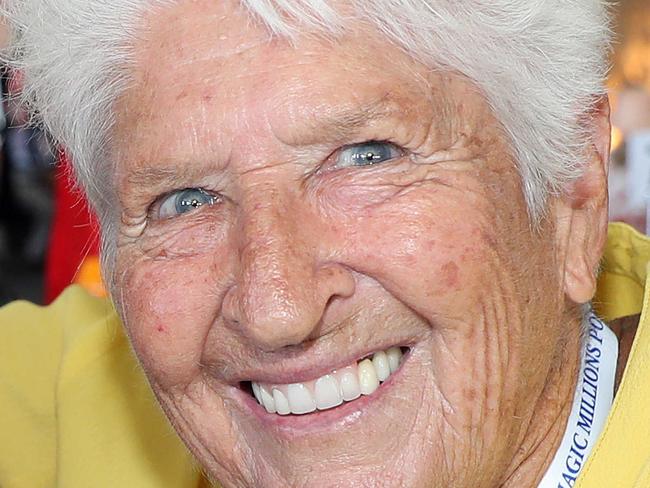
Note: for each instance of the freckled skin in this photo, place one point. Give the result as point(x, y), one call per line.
point(302, 262)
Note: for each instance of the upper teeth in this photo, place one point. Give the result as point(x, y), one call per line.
point(329, 390)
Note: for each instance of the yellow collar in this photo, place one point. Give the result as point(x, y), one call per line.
point(622, 455)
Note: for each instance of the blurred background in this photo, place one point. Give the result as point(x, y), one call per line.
point(629, 86)
point(49, 239)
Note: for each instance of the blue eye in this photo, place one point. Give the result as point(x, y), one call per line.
point(184, 201)
point(367, 154)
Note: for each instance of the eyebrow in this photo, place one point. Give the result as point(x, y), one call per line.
point(161, 179)
point(349, 120)
point(157, 175)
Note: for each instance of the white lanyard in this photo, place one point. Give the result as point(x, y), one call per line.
point(591, 404)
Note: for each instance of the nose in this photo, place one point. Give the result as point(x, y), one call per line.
point(282, 288)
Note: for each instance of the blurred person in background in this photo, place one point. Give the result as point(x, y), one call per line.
point(350, 244)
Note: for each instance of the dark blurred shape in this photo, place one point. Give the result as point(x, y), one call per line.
point(26, 193)
point(48, 236)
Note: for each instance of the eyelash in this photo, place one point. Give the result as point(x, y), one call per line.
point(330, 161)
point(157, 204)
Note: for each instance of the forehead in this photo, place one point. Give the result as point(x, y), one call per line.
point(207, 70)
point(220, 41)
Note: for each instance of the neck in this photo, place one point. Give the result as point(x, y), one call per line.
point(549, 420)
point(599, 380)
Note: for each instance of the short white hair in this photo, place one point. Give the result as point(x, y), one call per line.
point(540, 64)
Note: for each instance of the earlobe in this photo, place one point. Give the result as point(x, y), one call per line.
point(582, 213)
point(580, 282)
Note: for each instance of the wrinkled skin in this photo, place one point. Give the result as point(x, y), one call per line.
point(303, 264)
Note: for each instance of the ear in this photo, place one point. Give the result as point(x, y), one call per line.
point(582, 212)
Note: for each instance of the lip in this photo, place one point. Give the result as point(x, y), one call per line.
point(294, 426)
point(298, 371)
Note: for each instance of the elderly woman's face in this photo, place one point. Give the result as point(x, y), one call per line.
point(288, 212)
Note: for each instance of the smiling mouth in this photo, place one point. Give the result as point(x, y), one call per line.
point(332, 389)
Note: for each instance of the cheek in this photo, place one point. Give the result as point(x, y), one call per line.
point(169, 307)
point(452, 260)
point(426, 256)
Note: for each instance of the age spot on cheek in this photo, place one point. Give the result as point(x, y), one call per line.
point(450, 272)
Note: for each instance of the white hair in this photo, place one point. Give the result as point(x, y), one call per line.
point(539, 63)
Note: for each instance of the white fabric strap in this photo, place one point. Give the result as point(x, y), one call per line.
point(591, 405)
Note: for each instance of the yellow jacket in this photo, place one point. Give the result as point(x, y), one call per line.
point(75, 409)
